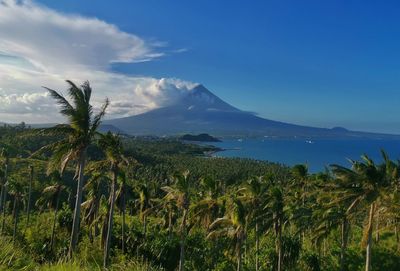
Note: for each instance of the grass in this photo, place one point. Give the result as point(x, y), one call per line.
point(14, 257)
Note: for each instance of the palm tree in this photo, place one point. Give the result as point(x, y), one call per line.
point(330, 217)
point(124, 195)
point(144, 202)
point(180, 194)
point(3, 198)
point(392, 203)
point(112, 147)
point(15, 191)
point(2, 182)
point(275, 218)
point(366, 184)
point(78, 135)
point(300, 174)
point(52, 194)
point(169, 211)
point(28, 209)
point(207, 208)
point(332, 212)
point(121, 199)
point(300, 186)
point(254, 194)
point(232, 225)
point(96, 190)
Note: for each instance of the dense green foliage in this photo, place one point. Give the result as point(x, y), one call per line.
point(225, 213)
point(200, 137)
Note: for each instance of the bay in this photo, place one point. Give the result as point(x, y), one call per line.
point(317, 154)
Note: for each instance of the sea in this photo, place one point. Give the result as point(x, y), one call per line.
point(317, 154)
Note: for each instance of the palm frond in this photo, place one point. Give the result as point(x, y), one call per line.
point(66, 108)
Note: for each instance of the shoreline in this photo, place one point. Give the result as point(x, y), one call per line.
point(217, 150)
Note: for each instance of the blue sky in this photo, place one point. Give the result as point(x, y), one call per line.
point(318, 63)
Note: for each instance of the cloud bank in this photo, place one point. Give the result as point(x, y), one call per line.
point(43, 47)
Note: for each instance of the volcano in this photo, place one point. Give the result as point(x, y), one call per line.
point(200, 111)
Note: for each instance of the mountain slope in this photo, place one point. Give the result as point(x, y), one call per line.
point(200, 111)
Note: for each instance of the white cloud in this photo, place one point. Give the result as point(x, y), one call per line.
point(53, 41)
point(26, 103)
point(40, 46)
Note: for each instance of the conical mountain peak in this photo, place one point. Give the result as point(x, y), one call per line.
point(201, 111)
point(200, 97)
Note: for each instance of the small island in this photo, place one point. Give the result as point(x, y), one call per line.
point(200, 137)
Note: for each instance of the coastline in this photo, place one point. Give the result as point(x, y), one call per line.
point(217, 150)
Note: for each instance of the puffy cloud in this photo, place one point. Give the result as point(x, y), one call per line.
point(29, 106)
point(43, 47)
point(26, 103)
point(53, 41)
point(164, 91)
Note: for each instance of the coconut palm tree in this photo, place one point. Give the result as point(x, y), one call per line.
point(145, 205)
point(180, 193)
point(2, 180)
point(78, 134)
point(112, 146)
point(28, 209)
point(3, 198)
point(207, 208)
point(254, 195)
point(51, 196)
point(366, 185)
point(121, 200)
point(15, 191)
point(124, 195)
point(332, 212)
point(168, 210)
point(331, 217)
point(392, 203)
point(300, 188)
point(300, 174)
point(96, 190)
point(232, 225)
point(275, 218)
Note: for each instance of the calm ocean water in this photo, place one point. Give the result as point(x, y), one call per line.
point(316, 154)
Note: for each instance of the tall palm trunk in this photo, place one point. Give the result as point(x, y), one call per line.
point(4, 198)
point(28, 209)
point(53, 230)
point(369, 240)
point(144, 226)
point(3, 187)
point(123, 218)
point(245, 244)
point(239, 262)
point(343, 244)
point(183, 239)
point(257, 246)
point(239, 255)
point(1, 203)
point(16, 213)
point(78, 202)
point(396, 233)
point(1, 196)
point(3, 223)
point(110, 221)
point(169, 222)
point(377, 235)
point(279, 246)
